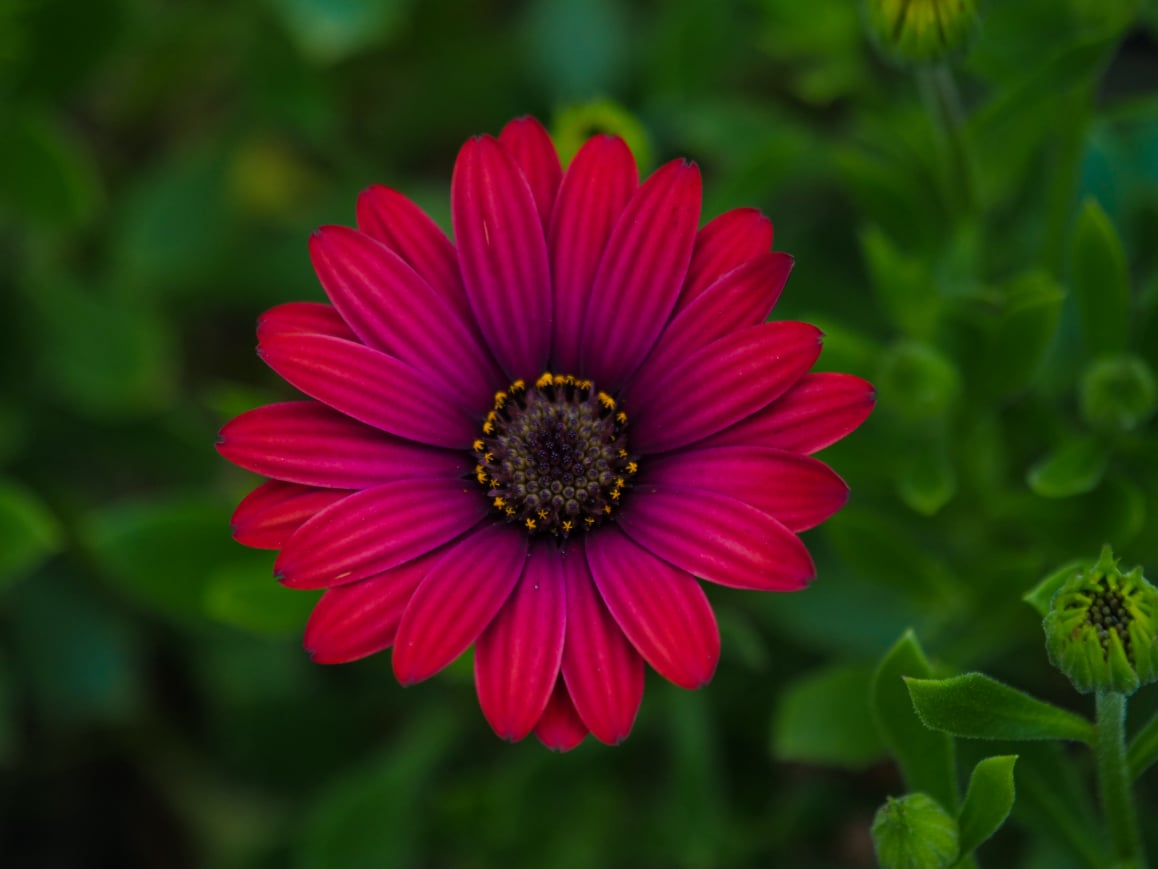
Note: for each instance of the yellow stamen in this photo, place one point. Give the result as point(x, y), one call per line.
point(530, 523)
point(606, 400)
point(632, 467)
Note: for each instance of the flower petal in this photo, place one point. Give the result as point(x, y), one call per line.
point(560, 728)
point(391, 218)
point(730, 240)
point(392, 308)
point(271, 513)
point(815, 413)
point(503, 254)
point(359, 619)
point(459, 597)
point(716, 538)
point(313, 318)
point(517, 658)
point(719, 385)
point(800, 492)
point(598, 184)
point(640, 274)
point(370, 386)
point(603, 671)
point(662, 609)
point(377, 529)
point(743, 297)
point(309, 443)
point(532, 149)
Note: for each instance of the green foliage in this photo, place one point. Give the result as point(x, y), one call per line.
point(821, 719)
point(979, 707)
point(29, 533)
point(1101, 282)
point(988, 800)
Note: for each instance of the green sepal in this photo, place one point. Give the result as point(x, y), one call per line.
point(925, 757)
point(1040, 596)
point(988, 801)
point(979, 707)
point(914, 832)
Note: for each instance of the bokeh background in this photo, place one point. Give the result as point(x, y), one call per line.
point(979, 237)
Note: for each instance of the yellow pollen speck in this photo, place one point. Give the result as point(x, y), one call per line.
point(543, 514)
point(530, 523)
point(545, 380)
point(510, 511)
point(606, 400)
point(500, 400)
point(590, 520)
point(621, 418)
point(567, 526)
point(500, 502)
point(632, 467)
point(619, 483)
point(488, 457)
point(488, 427)
point(518, 386)
point(622, 454)
point(606, 508)
point(614, 497)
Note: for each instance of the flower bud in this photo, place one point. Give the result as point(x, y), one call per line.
point(914, 832)
point(1118, 394)
point(1101, 629)
point(920, 30)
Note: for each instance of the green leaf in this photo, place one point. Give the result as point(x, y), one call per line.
point(903, 284)
point(1040, 596)
point(1022, 331)
point(1074, 468)
point(374, 816)
point(978, 707)
point(245, 595)
point(29, 533)
point(988, 800)
point(928, 481)
point(1101, 282)
point(1054, 801)
point(45, 177)
point(1143, 751)
point(924, 756)
point(821, 719)
point(917, 382)
point(889, 553)
point(330, 30)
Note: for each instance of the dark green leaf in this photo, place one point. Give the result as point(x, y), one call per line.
point(1074, 468)
point(330, 30)
point(245, 595)
point(924, 756)
point(928, 481)
point(29, 533)
point(1100, 281)
point(1022, 331)
point(978, 707)
point(45, 177)
point(824, 718)
point(988, 800)
point(1143, 752)
point(903, 284)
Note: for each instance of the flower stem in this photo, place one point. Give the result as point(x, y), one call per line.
point(1114, 780)
point(943, 103)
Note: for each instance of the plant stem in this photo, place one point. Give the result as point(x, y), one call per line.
point(1114, 780)
point(943, 103)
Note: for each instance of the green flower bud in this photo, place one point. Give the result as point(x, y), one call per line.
point(1118, 394)
point(1101, 630)
point(920, 30)
point(577, 123)
point(914, 832)
point(917, 382)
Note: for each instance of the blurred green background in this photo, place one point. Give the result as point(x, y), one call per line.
point(979, 238)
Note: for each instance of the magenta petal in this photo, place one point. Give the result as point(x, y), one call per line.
point(799, 491)
point(393, 309)
point(352, 621)
point(459, 597)
point(640, 274)
point(271, 513)
point(560, 728)
point(503, 253)
point(716, 538)
point(370, 386)
point(389, 217)
point(743, 297)
point(730, 240)
point(532, 149)
point(516, 659)
point(312, 318)
point(815, 413)
point(598, 184)
point(309, 443)
point(603, 671)
point(719, 385)
point(662, 609)
point(377, 529)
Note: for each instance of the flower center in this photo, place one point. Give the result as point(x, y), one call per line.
point(1107, 612)
point(553, 456)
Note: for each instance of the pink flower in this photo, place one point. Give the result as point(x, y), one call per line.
point(537, 442)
